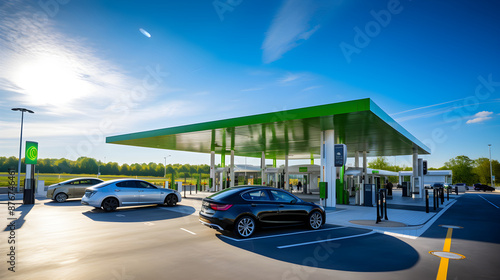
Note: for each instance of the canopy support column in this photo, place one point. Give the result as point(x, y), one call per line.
point(328, 169)
point(231, 178)
point(263, 169)
point(415, 182)
point(364, 180)
point(212, 170)
point(286, 183)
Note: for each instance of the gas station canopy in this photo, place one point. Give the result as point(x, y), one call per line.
point(360, 124)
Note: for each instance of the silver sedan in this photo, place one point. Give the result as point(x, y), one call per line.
point(128, 192)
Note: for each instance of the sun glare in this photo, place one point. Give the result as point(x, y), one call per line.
point(50, 80)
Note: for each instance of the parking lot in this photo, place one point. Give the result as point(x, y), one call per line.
point(71, 241)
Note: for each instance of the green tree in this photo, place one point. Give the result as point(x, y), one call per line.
point(462, 168)
point(482, 169)
point(87, 165)
point(184, 172)
point(125, 169)
point(380, 163)
point(63, 166)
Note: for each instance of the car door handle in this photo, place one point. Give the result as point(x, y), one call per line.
point(117, 190)
point(253, 205)
point(281, 205)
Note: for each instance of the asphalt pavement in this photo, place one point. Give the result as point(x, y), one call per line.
point(71, 241)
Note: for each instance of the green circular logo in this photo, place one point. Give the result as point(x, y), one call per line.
point(32, 153)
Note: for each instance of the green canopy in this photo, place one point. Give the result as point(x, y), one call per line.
point(360, 124)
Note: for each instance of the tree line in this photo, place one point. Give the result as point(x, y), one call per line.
point(85, 165)
point(465, 170)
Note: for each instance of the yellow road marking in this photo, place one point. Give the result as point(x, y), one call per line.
point(443, 265)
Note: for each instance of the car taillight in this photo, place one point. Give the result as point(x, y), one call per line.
point(220, 207)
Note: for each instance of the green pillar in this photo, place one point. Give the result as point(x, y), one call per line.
point(172, 182)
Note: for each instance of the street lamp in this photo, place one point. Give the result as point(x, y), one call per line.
point(20, 145)
point(491, 169)
point(165, 175)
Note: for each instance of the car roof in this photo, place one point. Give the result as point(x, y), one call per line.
point(125, 179)
point(249, 187)
point(81, 178)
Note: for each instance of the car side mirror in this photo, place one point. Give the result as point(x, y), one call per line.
point(293, 201)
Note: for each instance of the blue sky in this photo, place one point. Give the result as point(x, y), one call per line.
point(88, 71)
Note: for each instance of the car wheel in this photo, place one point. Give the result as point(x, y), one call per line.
point(244, 226)
point(61, 197)
point(171, 200)
point(315, 220)
point(109, 204)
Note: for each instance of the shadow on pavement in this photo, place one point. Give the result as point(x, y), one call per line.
point(67, 203)
point(18, 223)
point(369, 253)
point(139, 214)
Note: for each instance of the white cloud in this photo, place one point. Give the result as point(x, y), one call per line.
point(311, 88)
point(480, 117)
point(252, 89)
point(289, 78)
point(290, 26)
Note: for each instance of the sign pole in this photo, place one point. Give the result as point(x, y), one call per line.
point(31, 157)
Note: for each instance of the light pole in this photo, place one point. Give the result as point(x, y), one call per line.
point(20, 145)
point(491, 169)
point(165, 175)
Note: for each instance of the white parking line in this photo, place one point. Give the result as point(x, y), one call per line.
point(326, 240)
point(278, 235)
point(488, 201)
point(397, 234)
point(188, 231)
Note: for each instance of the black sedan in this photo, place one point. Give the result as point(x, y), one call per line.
point(245, 208)
point(481, 187)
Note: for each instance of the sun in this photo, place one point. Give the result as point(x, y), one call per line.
point(50, 80)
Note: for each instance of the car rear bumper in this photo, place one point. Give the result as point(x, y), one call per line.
point(215, 223)
point(214, 226)
point(90, 202)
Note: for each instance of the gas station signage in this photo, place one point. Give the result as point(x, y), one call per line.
point(31, 153)
point(340, 154)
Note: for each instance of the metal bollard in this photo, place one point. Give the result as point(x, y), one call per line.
point(442, 196)
point(437, 197)
point(456, 190)
point(448, 194)
point(381, 204)
point(377, 198)
point(426, 201)
point(434, 198)
point(385, 206)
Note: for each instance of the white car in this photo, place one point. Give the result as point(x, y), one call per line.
point(128, 192)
